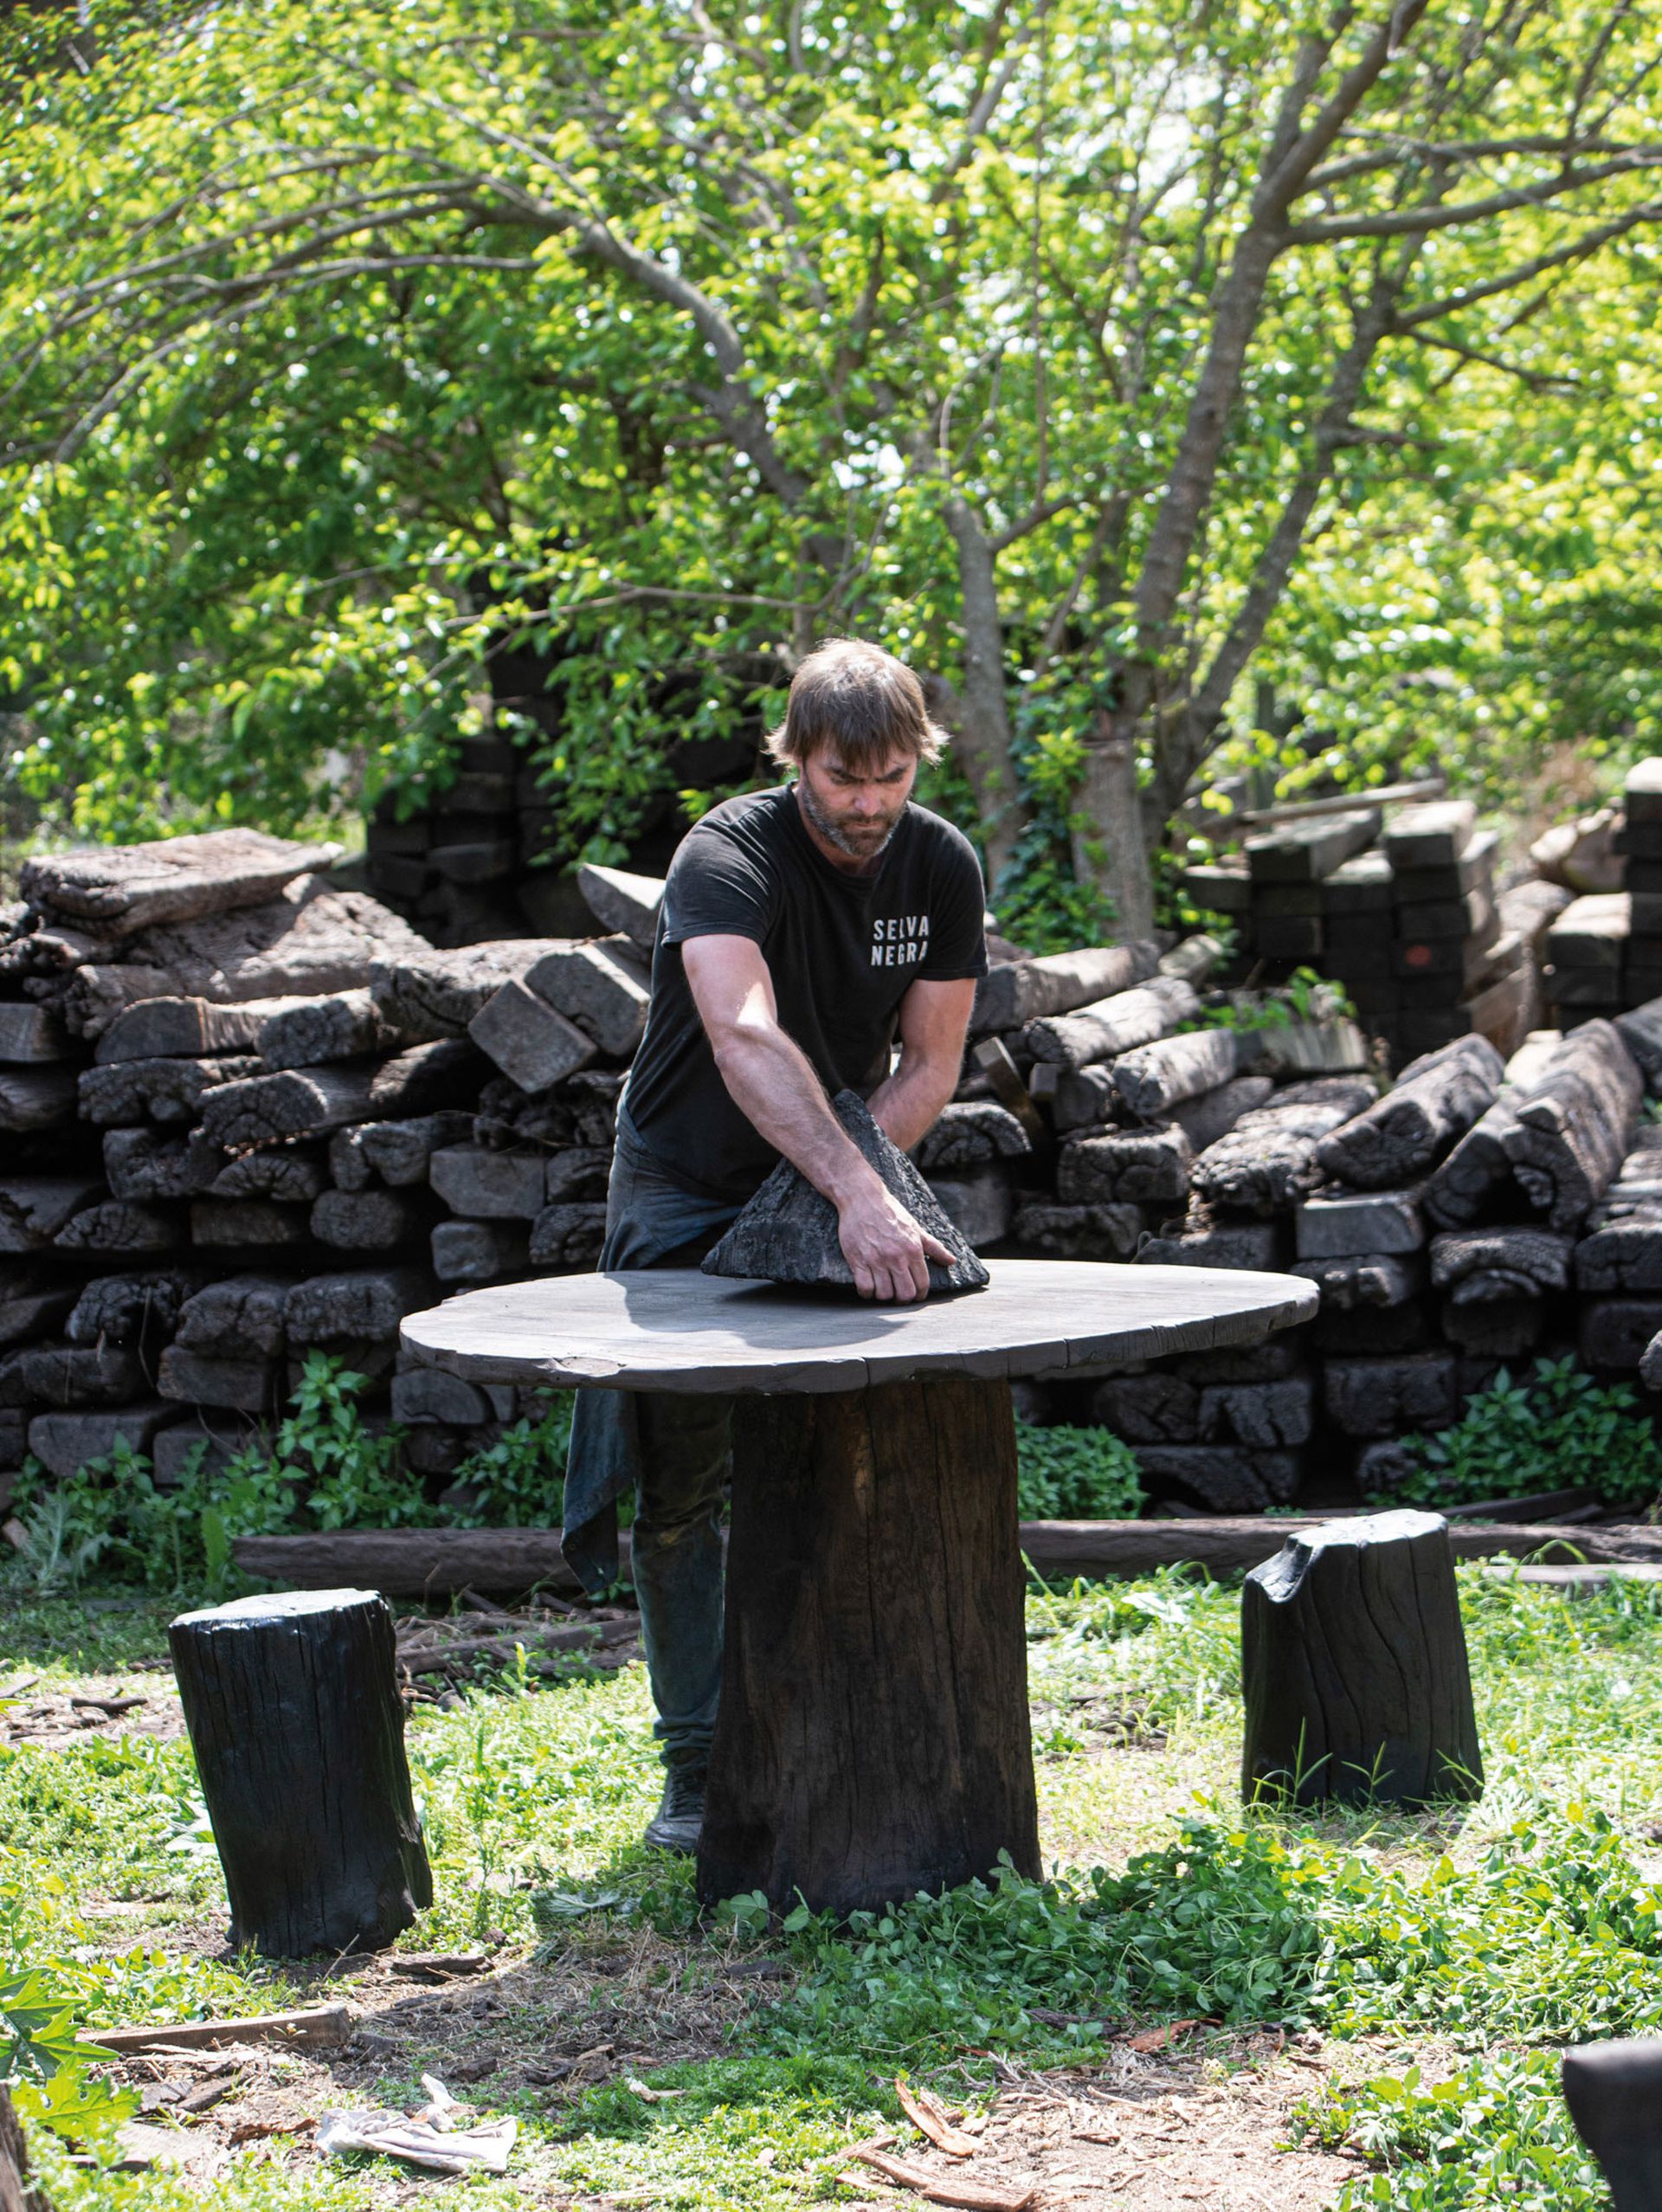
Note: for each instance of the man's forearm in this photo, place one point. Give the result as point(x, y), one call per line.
point(908, 1104)
point(773, 1084)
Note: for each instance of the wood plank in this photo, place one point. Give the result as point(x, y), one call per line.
point(121, 888)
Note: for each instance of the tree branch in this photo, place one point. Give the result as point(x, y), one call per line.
point(1404, 222)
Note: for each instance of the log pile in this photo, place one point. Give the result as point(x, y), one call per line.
point(1402, 909)
point(252, 1114)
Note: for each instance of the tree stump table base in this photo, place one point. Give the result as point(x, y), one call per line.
point(873, 1738)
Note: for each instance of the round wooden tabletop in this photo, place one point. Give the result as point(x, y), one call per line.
point(676, 1329)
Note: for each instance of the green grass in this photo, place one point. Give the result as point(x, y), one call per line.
point(1466, 1944)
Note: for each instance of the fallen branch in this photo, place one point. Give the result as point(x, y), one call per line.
point(316, 2029)
point(945, 2188)
point(928, 2115)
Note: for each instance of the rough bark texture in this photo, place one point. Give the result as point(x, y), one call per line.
point(121, 888)
point(788, 1233)
point(623, 902)
point(970, 1133)
point(133, 1091)
point(601, 987)
point(292, 1707)
point(1354, 1668)
point(1570, 1133)
point(1021, 991)
point(339, 1026)
point(1155, 1078)
point(873, 1737)
point(1268, 1160)
point(1434, 1101)
point(426, 993)
point(16, 2194)
point(263, 1110)
point(530, 1041)
point(1115, 1024)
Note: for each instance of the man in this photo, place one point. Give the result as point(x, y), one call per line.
point(802, 929)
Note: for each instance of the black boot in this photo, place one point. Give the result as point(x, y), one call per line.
point(680, 1813)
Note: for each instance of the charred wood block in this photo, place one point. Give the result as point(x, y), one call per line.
point(1640, 1030)
point(1430, 993)
point(1108, 1232)
point(980, 1202)
point(1612, 2091)
point(1083, 1098)
point(118, 1227)
point(292, 1175)
point(1430, 921)
point(1158, 1408)
point(32, 1036)
point(1278, 902)
point(425, 1394)
point(1020, 991)
point(469, 864)
point(133, 1091)
point(1591, 934)
point(1275, 1360)
point(433, 994)
point(210, 1443)
point(126, 887)
point(1421, 1115)
point(1355, 1281)
point(134, 1309)
point(1335, 1224)
point(405, 838)
point(1390, 1398)
point(1456, 879)
point(1215, 1113)
point(582, 1112)
point(971, 1133)
point(1362, 954)
point(231, 1385)
point(1496, 1328)
point(1435, 835)
point(239, 1315)
point(1304, 852)
point(36, 1098)
point(267, 1109)
point(570, 1235)
point(1379, 1331)
point(401, 875)
point(1354, 1669)
point(1587, 991)
point(1538, 1256)
point(1644, 911)
point(1570, 1132)
point(33, 1208)
point(364, 1220)
point(314, 1822)
point(599, 988)
point(1622, 1255)
point(1264, 1416)
point(1219, 1244)
point(1642, 877)
point(1288, 937)
point(345, 1025)
point(1221, 1478)
point(580, 1171)
point(1615, 1332)
point(1362, 886)
point(1133, 1165)
point(248, 1225)
point(788, 1233)
point(829, 1777)
point(70, 1374)
point(1113, 1025)
point(479, 791)
point(400, 1152)
point(622, 902)
point(441, 1451)
point(348, 1166)
point(1267, 1162)
point(366, 1302)
point(1477, 1169)
point(32, 1304)
point(1219, 887)
point(1642, 792)
point(143, 1164)
point(187, 1029)
point(66, 1442)
point(1153, 1078)
point(484, 1185)
point(478, 1252)
point(529, 1040)
point(1529, 909)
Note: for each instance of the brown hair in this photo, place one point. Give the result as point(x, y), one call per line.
point(860, 699)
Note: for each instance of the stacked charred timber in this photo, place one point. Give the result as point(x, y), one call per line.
point(1402, 909)
point(246, 1121)
point(1603, 946)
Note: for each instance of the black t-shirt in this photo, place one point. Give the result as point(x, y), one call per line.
point(842, 951)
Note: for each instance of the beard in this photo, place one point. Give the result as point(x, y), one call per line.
point(861, 842)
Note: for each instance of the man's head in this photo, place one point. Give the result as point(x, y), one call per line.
point(855, 729)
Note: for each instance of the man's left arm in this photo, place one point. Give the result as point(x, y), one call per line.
point(934, 1020)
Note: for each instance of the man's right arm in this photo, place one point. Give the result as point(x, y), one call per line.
point(774, 1085)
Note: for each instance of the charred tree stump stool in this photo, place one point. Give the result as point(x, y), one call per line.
point(1614, 2095)
point(873, 1737)
point(1354, 1669)
point(293, 1708)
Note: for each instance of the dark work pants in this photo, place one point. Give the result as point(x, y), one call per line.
point(674, 1451)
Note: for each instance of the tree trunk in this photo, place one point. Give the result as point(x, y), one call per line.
point(16, 2194)
point(1354, 1669)
point(984, 735)
point(873, 1738)
point(291, 1703)
point(1109, 846)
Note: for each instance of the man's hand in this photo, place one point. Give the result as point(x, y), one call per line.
point(887, 1250)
